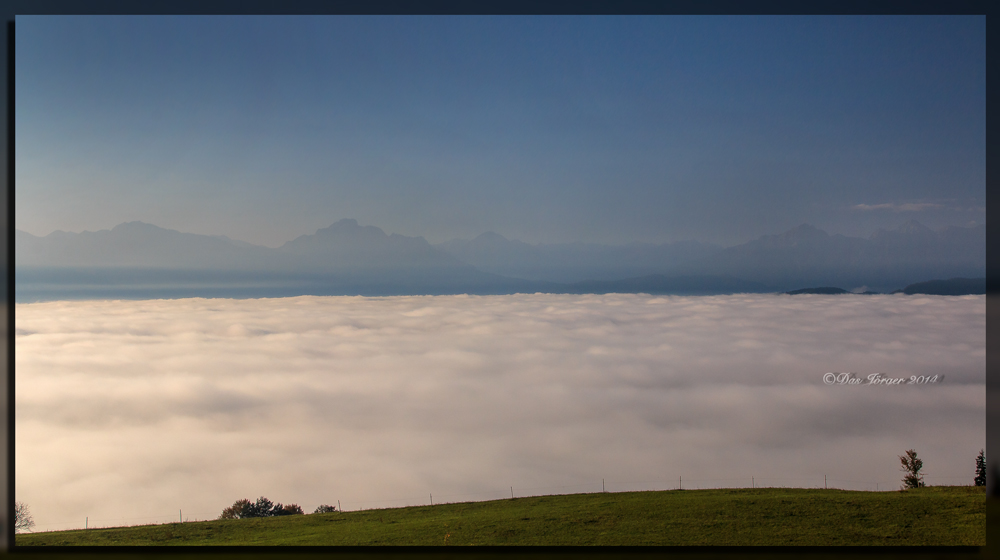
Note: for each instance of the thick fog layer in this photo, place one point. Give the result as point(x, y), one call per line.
point(127, 412)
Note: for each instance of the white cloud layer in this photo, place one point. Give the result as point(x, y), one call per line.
point(127, 411)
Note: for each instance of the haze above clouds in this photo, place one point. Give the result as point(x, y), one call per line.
point(545, 129)
point(129, 411)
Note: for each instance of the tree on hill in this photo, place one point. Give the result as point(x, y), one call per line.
point(262, 508)
point(325, 509)
point(244, 509)
point(911, 466)
point(980, 479)
point(290, 509)
point(240, 509)
point(22, 517)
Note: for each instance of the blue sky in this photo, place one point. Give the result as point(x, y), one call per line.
point(541, 128)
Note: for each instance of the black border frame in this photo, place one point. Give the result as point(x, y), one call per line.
point(492, 7)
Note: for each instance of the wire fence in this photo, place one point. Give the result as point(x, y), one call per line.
point(513, 492)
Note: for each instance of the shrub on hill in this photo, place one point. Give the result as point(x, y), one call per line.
point(325, 509)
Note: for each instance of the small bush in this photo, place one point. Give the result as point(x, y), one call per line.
point(325, 509)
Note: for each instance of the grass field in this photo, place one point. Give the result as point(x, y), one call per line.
point(942, 516)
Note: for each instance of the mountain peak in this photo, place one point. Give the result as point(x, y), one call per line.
point(135, 225)
point(350, 227)
point(344, 224)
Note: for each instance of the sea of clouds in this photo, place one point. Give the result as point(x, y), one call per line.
point(128, 411)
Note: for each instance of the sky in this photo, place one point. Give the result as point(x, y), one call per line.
point(127, 412)
point(546, 129)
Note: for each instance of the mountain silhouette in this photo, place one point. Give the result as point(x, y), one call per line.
point(137, 244)
point(345, 245)
point(805, 255)
point(950, 287)
point(801, 256)
point(343, 259)
point(350, 259)
point(656, 284)
point(573, 262)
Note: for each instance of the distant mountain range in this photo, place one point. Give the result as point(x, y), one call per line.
point(140, 245)
point(824, 290)
point(802, 256)
point(575, 262)
point(949, 287)
point(347, 258)
point(343, 259)
point(806, 256)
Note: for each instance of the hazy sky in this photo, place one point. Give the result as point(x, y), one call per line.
point(544, 129)
point(129, 411)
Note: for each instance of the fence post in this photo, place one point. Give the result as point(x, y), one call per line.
point(824, 483)
point(338, 506)
point(432, 499)
point(752, 484)
point(602, 486)
point(512, 492)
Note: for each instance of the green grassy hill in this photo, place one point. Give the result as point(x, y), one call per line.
point(947, 516)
